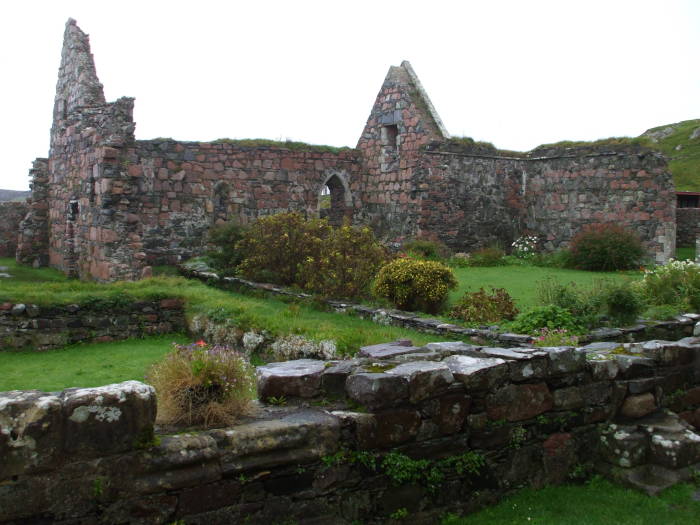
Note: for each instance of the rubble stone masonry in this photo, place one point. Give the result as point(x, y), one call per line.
point(106, 206)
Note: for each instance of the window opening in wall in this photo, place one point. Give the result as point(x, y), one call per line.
point(73, 210)
point(333, 201)
point(688, 201)
point(390, 135)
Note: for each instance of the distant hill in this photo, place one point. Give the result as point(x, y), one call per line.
point(13, 195)
point(681, 144)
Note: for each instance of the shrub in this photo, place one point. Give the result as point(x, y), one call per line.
point(620, 302)
point(550, 316)
point(344, 266)
point(484, 307)
point(224, 255)
point(274, 247)
point(676, 283)
point(525, 246)
point(460, 260)
point(199, 384)
point(412, 284)
point(490, 256)
point(606, 247)
point(584, 304)
point(427, 249)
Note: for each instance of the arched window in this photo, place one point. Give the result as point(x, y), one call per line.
point(334, 201)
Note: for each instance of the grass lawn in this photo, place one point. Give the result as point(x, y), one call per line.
point(684, 253)
point(521, 281)
point(597, 503)
point(83, 365)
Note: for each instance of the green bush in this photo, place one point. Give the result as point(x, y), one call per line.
point(412, 284)
point(225, 256)
point(199, 384)
point(584, 304)
point(606, 248)
point(550, 316)
point(484, 307)
point(556, 259)
point(427, 249)
point(347, 261)
point(274, 247)
point(676, 283)
point(621, 302)
point(490, 256)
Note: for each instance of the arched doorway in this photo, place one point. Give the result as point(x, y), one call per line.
point(334, 201)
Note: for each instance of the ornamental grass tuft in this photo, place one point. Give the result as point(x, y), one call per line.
point(202, 384)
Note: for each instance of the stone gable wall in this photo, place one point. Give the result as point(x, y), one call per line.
point(184, 188)
point(11, 215)
point(481, 421)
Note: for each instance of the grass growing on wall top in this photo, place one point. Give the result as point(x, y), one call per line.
point(84, 365)
point(610, 141)
point(599, 502)
point(286, 144)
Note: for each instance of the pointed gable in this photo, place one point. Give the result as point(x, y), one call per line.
point(402, 117)
point(78, 85)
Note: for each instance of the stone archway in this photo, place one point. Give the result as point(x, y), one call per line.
point(334, 199)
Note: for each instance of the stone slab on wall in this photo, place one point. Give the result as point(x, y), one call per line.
point(11, 215)
point(687, 226)
point(32, 327)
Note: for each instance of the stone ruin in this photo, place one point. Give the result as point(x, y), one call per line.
point(106, 206)
point(448, 427)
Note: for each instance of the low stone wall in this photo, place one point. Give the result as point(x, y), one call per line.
point(676, 328)
point(687, 226)
point(11, 214)
point(28, 326)
point(398, 430)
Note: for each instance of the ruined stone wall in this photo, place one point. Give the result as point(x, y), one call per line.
point(401, 121)
point(624, 185)
point(33, 327)
point(90, 199)
point(471, 195)
point(481, 422)
point(11, 214)
point(33, 231)
point(184, 188)
point(687, 226)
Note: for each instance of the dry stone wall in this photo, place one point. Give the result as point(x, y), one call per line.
point(32, 327)
point(445, 427)
point(11, 214)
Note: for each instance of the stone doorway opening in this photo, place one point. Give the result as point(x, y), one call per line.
point(334, 201)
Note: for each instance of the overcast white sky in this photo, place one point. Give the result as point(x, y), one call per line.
point(516, 73)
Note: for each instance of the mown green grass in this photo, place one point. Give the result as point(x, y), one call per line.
point(29, 274)
point(685, 253)
point(521, 281)
point(596, 503)
point(83, 365)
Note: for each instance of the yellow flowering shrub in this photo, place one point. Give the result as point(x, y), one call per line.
point(412, 284)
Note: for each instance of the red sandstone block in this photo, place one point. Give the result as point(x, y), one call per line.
point(135, 170)
point(6, 306)
point(170, 304)
point(109, 153)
